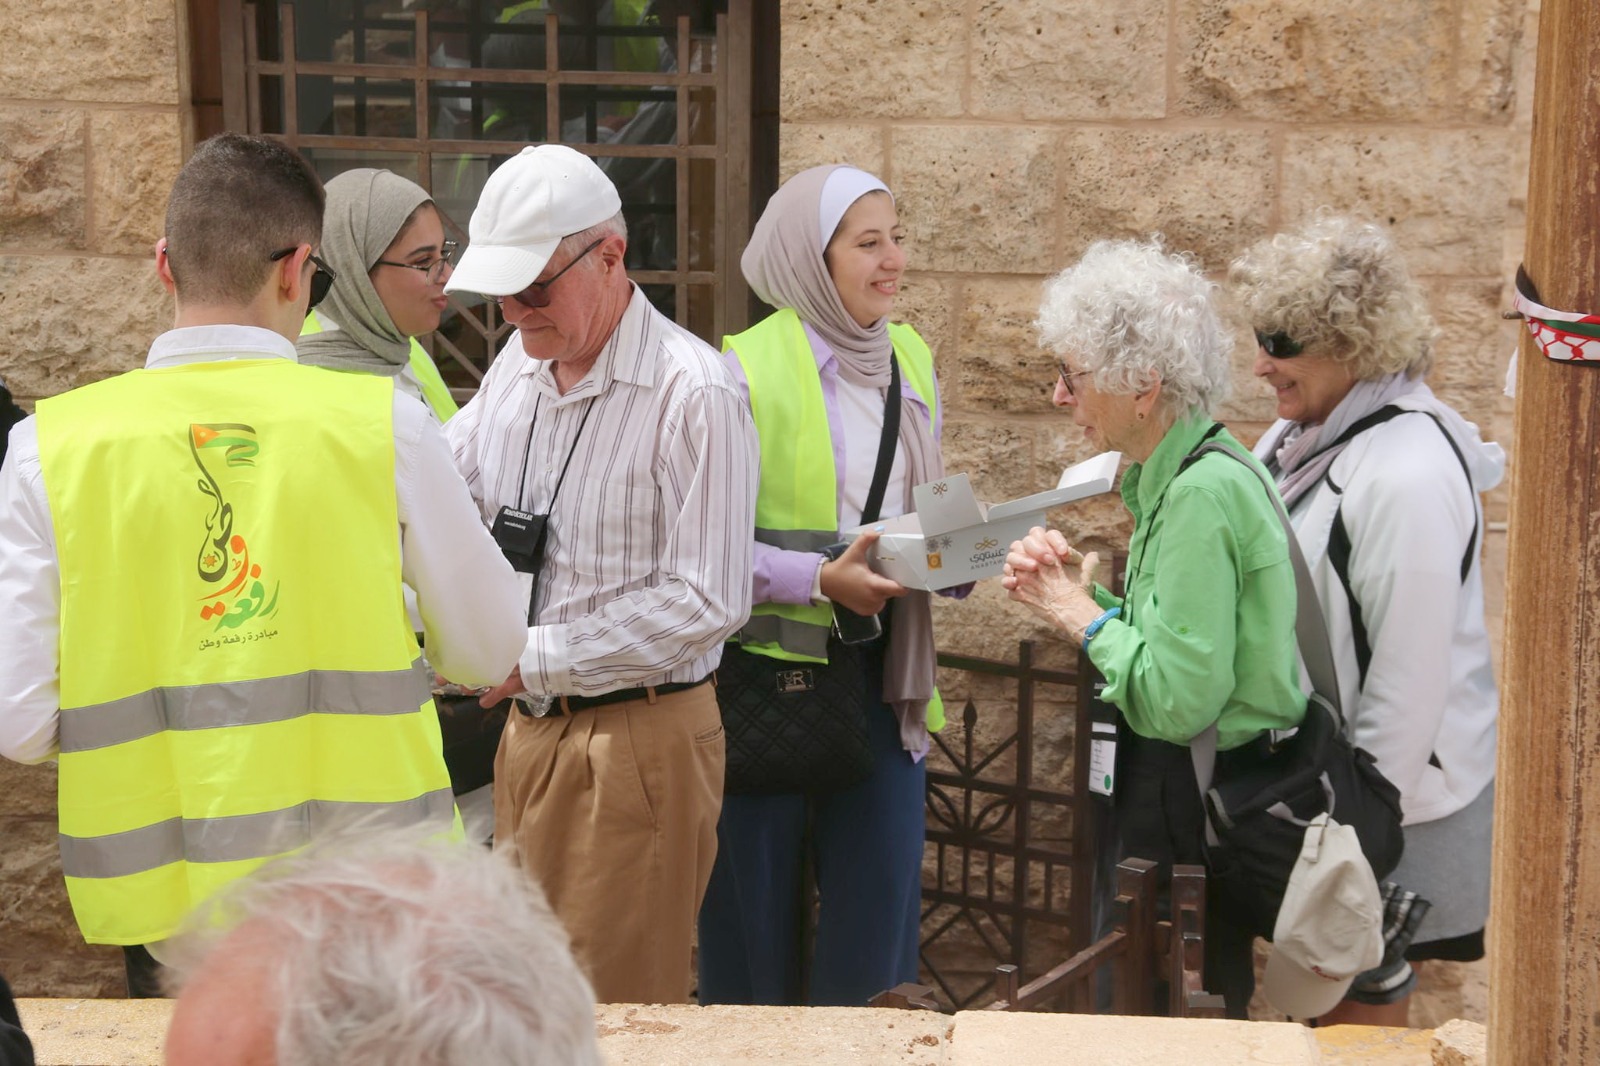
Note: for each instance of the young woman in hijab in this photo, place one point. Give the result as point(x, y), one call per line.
point(384, 239)
point(827, 252)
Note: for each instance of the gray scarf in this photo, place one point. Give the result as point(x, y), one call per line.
point(1299, 448)
point(785, 268)
point(366, 209)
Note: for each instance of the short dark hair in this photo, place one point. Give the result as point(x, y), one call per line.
point(236, 201)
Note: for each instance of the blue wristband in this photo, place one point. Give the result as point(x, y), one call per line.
point(1094, 627)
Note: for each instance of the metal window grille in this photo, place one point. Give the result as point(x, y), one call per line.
point(442, 91)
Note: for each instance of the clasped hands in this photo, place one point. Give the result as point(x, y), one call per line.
point(1053, 580)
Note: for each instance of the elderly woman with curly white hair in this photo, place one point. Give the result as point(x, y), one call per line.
point(1382, 482)
point(1204, 633)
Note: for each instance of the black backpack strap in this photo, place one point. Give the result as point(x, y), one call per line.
point(1339, 538)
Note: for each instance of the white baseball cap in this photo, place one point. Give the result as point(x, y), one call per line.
point(535, 198)
point(1330, 926)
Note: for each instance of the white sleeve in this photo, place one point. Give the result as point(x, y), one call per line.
point(467, 594)
point(30, 619)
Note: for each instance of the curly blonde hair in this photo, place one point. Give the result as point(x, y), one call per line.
point(1338, 287)
point(1133, 313)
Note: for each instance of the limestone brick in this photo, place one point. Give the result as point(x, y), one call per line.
point(981, 1038)
point(825, 1036)
point(1069, 59)
point(927, 304)
point(136, 156)
point(1460, 1043)
point(42, 178)
point(997, 456)
point(56, 51)
point(1429, 185)
point(1210, 192)
point(72, 340)
point(997, 365)
point(812, 144)
point(1367, 60)
point(1475, 342)
point(983, 196)
point(872, 59)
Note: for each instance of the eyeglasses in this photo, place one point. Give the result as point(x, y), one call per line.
point(321, 281)
point(538, 294)
point(1279, 345)
point(433, 268)
point(1068, 375)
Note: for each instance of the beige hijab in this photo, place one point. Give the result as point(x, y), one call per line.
point(366, 210)
point(785, 267)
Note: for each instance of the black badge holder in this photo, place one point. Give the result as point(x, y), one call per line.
point(851, 627)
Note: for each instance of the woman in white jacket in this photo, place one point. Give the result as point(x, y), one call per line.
point(1382, 482)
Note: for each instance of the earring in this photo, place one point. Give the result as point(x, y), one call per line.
point(1141, 416)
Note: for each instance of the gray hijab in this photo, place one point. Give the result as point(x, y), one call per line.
point(366, 210)
point(785, 267)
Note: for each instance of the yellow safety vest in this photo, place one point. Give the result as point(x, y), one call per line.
point(797, 506)
point(237, 670)
point(435, 393)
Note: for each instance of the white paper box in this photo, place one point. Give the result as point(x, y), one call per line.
point(952, 538)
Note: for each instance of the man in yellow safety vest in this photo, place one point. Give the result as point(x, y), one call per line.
point(202, 563)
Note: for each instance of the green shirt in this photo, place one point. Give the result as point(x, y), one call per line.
point(1210, 635)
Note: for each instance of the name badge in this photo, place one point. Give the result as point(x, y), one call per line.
point(1103, 758)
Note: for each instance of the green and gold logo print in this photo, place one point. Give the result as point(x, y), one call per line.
point(223, 560)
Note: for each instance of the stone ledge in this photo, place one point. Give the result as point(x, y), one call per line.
point(109, 1032)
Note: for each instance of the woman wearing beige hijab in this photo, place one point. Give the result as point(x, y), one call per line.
point(384, 238)
point(818, 374)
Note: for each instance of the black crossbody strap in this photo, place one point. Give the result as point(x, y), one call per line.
point(886, 445)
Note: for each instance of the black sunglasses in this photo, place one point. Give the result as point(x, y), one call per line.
point(537, 294)
point(1279, 345)
point(321, 281)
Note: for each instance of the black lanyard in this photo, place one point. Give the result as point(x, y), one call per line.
point(544, 526)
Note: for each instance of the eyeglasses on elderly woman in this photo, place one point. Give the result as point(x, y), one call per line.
point(1067, 376)
point(1279, 345)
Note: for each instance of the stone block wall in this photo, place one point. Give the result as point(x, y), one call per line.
point(1015, 132)
point(92, 126)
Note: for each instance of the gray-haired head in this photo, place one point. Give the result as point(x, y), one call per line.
point(387, 950)
point(1132, 314)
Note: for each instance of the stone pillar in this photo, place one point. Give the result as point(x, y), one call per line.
point(1544, 982)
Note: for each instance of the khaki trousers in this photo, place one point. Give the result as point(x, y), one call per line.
point(613, 811)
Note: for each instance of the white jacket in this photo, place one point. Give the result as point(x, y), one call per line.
point(1430, 690)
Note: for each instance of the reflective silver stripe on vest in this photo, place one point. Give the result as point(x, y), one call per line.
point(244, 836)
point(801, 638)
point(233, 703)
point(798, 540)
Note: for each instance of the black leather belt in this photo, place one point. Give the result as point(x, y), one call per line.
point(560, 705)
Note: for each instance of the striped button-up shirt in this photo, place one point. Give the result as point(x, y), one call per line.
point(646, 565)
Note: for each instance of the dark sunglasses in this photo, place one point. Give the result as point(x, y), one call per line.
point(537, 294)
point(321, 280)
point(1068, 375)
point(1279, 345)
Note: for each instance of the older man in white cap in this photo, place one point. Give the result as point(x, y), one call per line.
point(616, 464)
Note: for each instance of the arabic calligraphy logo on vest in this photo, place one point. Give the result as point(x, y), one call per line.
point(224, 556)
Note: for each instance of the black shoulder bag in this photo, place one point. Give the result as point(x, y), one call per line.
point(1256, 820)
point(802, 726)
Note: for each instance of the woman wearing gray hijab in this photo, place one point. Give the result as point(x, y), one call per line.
point(818, 373)
point(383, 237)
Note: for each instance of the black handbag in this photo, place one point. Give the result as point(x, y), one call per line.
point(471, 736)
point(795, 727)
point(1256, 819)
point(801, 726)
